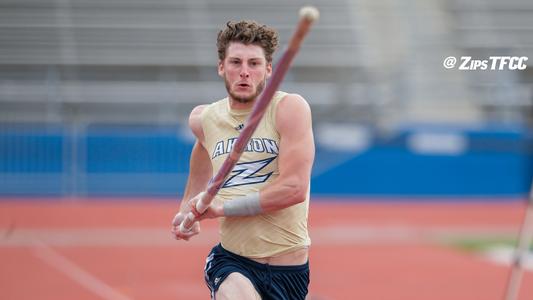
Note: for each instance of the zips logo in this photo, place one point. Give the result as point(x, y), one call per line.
point(245, 173)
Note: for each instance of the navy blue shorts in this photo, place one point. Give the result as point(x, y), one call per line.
point(271, 282)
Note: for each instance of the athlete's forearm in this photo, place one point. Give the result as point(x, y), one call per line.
point(199, 174)
point(283, 193)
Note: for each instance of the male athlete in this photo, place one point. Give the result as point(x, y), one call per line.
point(263, 204)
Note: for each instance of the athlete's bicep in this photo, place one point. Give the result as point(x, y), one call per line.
point(297, 149)
point(195, 122)
point(200, 168)
point(200, 162)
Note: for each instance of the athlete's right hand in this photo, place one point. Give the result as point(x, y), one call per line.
point(214, 210)
point(178, 235)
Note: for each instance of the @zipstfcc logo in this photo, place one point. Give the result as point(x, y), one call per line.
point(493, 63)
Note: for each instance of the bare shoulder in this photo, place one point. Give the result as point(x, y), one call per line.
point(293, 109)
point(195, 121)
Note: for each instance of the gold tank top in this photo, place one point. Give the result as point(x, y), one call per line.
point(267, 234)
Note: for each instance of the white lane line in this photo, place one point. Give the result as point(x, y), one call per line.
point(75, 272)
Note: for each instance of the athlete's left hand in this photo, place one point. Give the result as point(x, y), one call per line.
point(214, 210)
point(176, 222)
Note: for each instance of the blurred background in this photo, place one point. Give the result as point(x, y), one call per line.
point(95, 95)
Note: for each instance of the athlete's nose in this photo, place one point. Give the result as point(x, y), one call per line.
point(244, 72)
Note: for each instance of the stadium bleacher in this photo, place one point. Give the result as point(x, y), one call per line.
point(62, 54)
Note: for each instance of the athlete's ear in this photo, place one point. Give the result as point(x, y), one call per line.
point(269, 69)
point(221, 68)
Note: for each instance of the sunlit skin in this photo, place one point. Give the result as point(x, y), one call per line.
point(245, 71)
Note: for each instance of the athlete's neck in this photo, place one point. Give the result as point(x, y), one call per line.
point(235, 105)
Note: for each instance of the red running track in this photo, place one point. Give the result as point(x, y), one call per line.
point(98, 249)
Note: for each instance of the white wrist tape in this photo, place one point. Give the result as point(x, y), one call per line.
point(248, 205)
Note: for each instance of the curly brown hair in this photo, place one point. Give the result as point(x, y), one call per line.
point(247, 32)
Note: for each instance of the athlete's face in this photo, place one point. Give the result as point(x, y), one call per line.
point(245, 71)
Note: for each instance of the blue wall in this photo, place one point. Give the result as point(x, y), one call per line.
point(98, 160)
point(494, 162)
point(112, 160)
